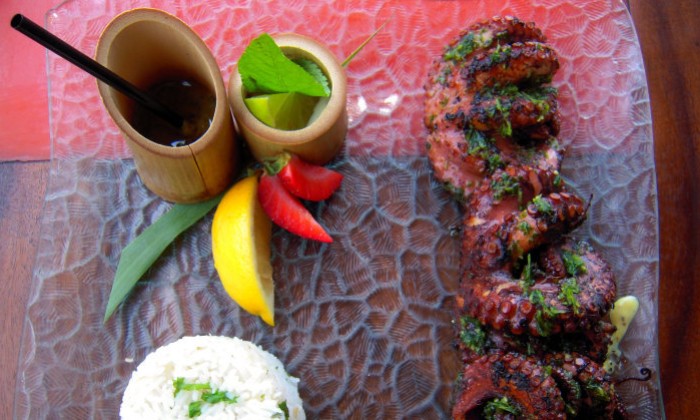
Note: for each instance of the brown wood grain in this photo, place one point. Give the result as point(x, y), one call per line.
point(670, 40)
point(22, 188)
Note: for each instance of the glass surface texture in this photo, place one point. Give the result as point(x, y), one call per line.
point(364, 322)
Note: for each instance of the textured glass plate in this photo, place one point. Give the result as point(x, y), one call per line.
point(364, 321)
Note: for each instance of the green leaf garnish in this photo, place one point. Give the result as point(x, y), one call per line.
point(194, 409)
point(315, 71)
point(574, 264)
point(218, 397)
point(527, 279)
point(180, 385)
point(283, 406)
point(545, 312)
point(472, 334)
point(497, 407)
point(141, 253)
point(265, 69)
point(569, 290)
point(542, 205)
point(506, 185)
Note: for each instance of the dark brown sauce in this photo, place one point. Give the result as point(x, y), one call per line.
point(192, 101)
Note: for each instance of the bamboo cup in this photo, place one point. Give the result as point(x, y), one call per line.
point(146, 46)
point(318, 142)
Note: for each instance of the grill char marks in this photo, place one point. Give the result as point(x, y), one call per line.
point(485, 86)
point(532, 304)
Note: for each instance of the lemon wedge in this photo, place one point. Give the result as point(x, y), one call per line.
point(241, 234)
point(284, 111)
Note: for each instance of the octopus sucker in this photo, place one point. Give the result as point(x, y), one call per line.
point(476, 338)
point(596, 396)
point(532, 309)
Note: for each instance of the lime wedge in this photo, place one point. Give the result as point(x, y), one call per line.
point(285, 111)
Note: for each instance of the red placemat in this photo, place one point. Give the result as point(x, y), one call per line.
point(24, 117)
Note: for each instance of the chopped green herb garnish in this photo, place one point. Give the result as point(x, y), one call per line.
point(527, 280)
point(545, 312)
point(194, 409)
point(482, 147)
point(537, 297)
point(506, 128)
point(497, 407)
point(544, 324)
point(568, 293)
point(574, 263)
point(515, 249)
point(573, 390)
point(180, 385)
point(469, 42)
point(444, 75)
point(525, 227)
point(503, 110)
point(542, 205)
point(493, 162)
point(509, 90)
point(504, 96)
point(596, 391)
point(547, 370)
point(501, 53)
point(557, 180)
point(476, 141)
point(505, 185)
point(283, 406)
point(219, 396)
point(464, 47)
point(177, 384)
point(472, 334)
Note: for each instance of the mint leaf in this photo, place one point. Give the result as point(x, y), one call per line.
point(314, 70)
point(265, 69)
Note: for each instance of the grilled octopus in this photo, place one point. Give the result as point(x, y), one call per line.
point(532, 308)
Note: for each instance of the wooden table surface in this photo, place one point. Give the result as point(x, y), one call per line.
point(670, 40)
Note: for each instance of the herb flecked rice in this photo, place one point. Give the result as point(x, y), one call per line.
point(211, 377)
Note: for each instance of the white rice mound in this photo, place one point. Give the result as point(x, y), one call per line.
point(240, 368)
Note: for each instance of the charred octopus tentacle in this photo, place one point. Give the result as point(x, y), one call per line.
point(556, 386)
point(595, 396)
point(532, 308)
point(517, 384)
point(518, 63)
point(542, 302)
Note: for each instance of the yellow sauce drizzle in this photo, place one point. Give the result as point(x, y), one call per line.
point(621, 316)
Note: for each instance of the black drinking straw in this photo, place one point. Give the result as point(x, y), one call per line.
point(60, 47)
